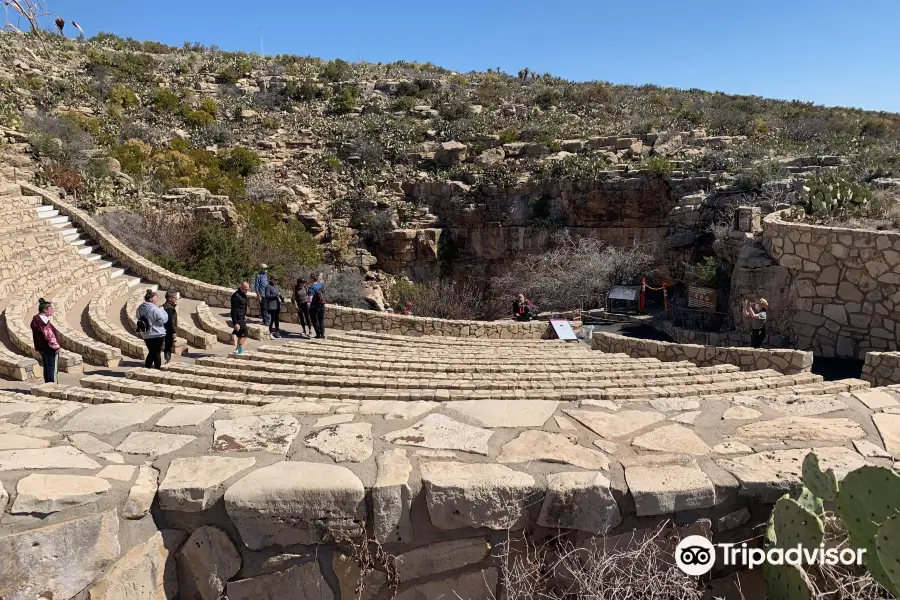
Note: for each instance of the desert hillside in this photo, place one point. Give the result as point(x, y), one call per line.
point(405, 169)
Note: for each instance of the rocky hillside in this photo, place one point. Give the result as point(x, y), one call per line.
point(410, 168)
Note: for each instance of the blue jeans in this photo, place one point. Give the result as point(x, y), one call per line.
point(263, 312)
point(50, 359)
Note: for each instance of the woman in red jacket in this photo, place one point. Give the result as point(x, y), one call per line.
point(46, 339)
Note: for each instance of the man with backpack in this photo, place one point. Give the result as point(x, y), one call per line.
point(170, 306)
point(151, 325)
point(239, 315)
point(317, 305)
point(259, 285)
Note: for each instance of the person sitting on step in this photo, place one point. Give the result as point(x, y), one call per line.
point(523, 309)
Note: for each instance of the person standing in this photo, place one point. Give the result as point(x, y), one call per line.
point(302, 301)
point(170, 306)
point(274, 300)
point(46, 339)
point(259, 286)
point(758, 313)
point(239, 315)
point(152, 326)
point(316, 296)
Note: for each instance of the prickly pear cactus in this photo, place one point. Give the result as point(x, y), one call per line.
point(828, 195)
point(822, 484)
point(786, 582)
point(809, 501)
point(868, 497)
point(796, 525)
point(887, 542)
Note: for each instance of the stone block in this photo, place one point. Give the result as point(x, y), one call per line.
point(579, 500)
point(476, 495)
point(667, 483)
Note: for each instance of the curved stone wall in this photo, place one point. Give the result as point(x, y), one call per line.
point(336, 317)
point(845, 286)
point(788, 362)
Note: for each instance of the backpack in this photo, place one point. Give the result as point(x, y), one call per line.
point(319, 296)
point(143, 325)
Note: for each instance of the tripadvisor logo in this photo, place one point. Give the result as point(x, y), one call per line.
point(695, 555)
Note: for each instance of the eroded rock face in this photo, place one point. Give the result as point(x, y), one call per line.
point(295, 503)
point(60, 559)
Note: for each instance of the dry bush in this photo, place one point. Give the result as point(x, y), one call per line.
point(154, 232)
point(440, 298)
point(575, 271)
point(639, 568)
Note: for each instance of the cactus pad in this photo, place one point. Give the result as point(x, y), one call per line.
point(796, 526)
point(867, 498)
point(810, 502)
point(822, 484)
point(786, 582)
point(888, 544)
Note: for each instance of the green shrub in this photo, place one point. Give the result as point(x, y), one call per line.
point(659, 166)
point(197, 118)
point(408, 88)
point(166, 101)
point(509, 135)
point(454, 108)
point(234, 71)
point(305, 91)
point(403, 103)
point(345, 101)
point(209, 106)
point(702, 273)
point(337, 70)
point(122, 97)
point(242, 161)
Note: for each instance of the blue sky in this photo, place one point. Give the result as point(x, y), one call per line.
point(830, 52)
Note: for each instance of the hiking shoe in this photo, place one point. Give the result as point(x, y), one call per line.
point(240, 350)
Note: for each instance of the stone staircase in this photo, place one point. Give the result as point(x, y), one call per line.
point(44, 254)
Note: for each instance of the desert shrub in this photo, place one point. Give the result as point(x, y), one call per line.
point(403, 103)
point(454, 108)
point(574, 271)
point(305, 91)
point(134, 157)
point(234, 71)
point(337, 70)
point(637, 567)
point(702, 273)
point(153, 233)
point(509, 135)
point(877, 127)
point(123, 97)
point(374, 226)
point(659, 166)
point(60, 139)
point(242, 161)
point(345, 101)
point(753, 179)
point(439, 298)
point(408, 88)
point(209, 106)
point(213, 134)
point(166, 101)
point(197, 118)
point(547, 96)
point(273, 240)
point(64, 176)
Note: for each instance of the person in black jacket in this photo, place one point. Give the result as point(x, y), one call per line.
point(172, 324)
point(239, 315)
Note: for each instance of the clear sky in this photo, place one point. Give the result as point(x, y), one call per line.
point(832, 52)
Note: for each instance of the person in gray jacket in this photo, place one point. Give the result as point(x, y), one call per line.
point(152, 327)
point(273, 300)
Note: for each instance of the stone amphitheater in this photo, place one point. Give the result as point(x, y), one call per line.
point(246, 475)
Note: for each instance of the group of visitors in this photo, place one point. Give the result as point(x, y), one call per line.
point(309, 296)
